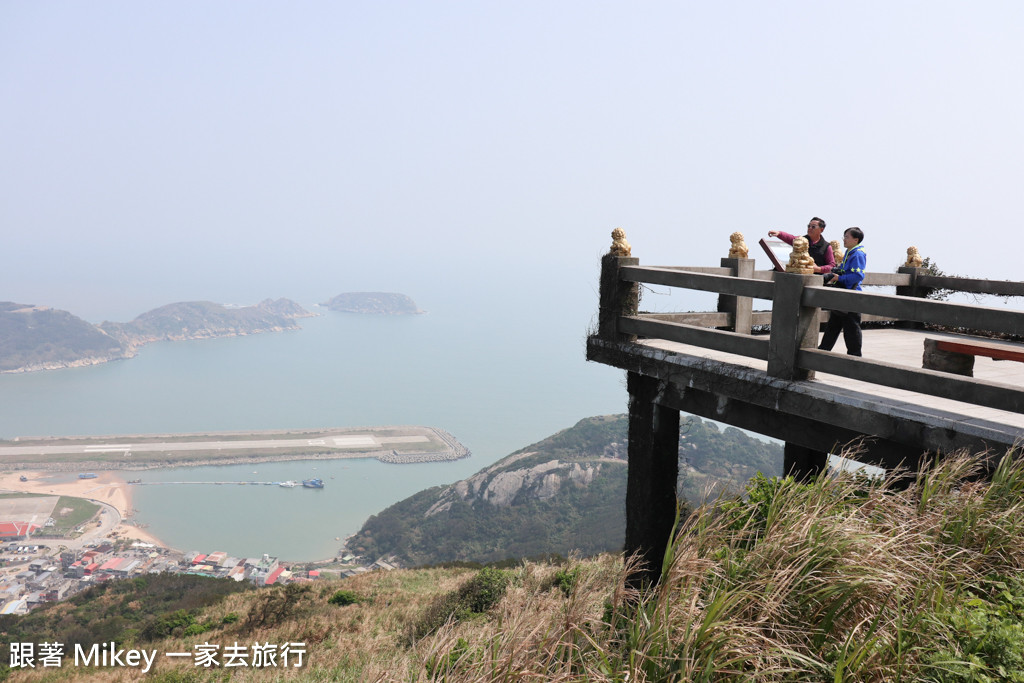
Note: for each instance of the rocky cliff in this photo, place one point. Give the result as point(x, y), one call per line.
point(563, 494)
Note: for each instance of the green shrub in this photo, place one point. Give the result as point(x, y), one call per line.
point(987, 634)
point(171, 624)
point(344, 597)
point(565, 580)
point(485, 589)
point(476, 596)
point(196, 628)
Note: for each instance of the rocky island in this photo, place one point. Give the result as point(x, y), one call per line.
point(380, 303)
point(42, 338)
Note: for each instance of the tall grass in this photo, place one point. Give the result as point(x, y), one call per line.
point(916, 577)
point(842, 579)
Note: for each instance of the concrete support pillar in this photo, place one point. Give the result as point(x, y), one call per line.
point(617, 298)
point(653, 473)
point(802, 463)
point(741, 307)
point(794, 326)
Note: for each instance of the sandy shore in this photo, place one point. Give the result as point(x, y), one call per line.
point(107, 487)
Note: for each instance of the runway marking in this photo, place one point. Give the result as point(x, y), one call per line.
point(354, 441)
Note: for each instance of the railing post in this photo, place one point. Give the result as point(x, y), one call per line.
point(913, 289)
point(617, 298)
point(740, 307)
point(794, 326)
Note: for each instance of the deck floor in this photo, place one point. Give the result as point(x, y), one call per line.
point(900, 347)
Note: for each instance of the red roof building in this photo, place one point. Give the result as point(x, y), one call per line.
point(16, 529)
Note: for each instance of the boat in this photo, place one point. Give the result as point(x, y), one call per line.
point(315, 483)
point(87, 475)
point(288, 484)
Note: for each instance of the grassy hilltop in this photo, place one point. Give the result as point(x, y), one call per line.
point(842, 579)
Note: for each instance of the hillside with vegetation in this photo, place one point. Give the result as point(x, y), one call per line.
point(204, 319)
point(386, 303)
point(37, 338)
point(40, 338)
point(561, 495)
point(841, 579)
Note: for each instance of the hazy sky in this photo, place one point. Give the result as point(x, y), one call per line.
point(161, 151)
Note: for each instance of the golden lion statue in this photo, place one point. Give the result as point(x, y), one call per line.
point(837, 250)
point(914, 259)
point(739, 247)
point(800, 261)
point(620, 247)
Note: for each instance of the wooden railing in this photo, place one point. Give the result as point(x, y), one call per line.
point(797, 303)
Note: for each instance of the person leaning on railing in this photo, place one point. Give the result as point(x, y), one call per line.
point(818, 247)
point(848, 274)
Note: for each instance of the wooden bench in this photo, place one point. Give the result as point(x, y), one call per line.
point(957, 355)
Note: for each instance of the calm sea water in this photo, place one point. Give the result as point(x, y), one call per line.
point(495, 375)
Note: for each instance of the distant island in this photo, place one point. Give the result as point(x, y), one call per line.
point(380, 303)
point(42, 338)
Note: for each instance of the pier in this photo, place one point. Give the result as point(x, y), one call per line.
point(715, 364)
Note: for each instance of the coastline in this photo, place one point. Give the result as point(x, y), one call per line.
point(21, 456)
point(108, 487)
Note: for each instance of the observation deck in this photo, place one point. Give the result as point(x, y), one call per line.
point(762, 371)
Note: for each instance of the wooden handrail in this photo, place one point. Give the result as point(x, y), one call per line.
point(685, 279)
point(693, 328)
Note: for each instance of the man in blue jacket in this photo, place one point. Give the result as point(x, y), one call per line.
point(849, 274)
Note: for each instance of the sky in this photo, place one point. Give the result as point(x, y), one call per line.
point(168, 151)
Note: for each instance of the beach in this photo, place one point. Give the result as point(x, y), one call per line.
point(107, 487)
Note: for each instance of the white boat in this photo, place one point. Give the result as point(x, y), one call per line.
point(288, 484)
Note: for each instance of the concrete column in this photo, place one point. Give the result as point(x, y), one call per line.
point(741, 307)
point(794, 326)
point(802, 463)
point(653, 473)
point(617, 298)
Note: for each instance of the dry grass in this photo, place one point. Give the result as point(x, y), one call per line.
point(845, 579)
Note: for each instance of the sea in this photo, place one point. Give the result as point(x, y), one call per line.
point(497, 373)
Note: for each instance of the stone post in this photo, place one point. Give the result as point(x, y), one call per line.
point(741, 307)
point(794, 326)
point(617, 298)
point(913, 289)
point(651, 479)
